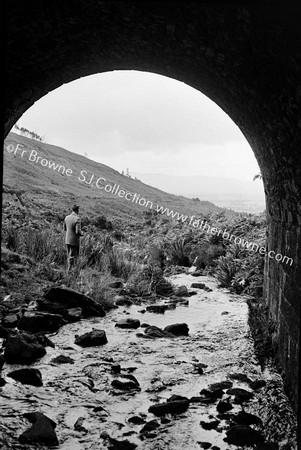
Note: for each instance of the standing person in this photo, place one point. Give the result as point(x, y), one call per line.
point(72, 226)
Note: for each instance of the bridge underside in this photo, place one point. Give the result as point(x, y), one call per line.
point(245, 56)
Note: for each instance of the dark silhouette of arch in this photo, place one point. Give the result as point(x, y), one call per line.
point(244, 55)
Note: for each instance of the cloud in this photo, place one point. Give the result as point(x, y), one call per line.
point(125, 111)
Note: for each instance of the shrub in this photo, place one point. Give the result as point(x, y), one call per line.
point(227, 267)
point(176, 252)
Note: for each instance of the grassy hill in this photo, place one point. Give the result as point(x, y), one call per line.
point(45, 176)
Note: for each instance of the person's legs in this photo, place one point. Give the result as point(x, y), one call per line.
point(72, 255)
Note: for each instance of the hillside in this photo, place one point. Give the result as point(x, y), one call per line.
point(47, 176)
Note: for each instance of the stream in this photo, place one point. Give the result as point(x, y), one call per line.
point(219, 337)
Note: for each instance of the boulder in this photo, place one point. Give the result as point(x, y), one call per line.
point(23, 348)
point(178, 406)
point(58, 300)
point(35, 321)
point(27, 376)
point(128, 323)
point(2, 382)
point(92, 338)
point(2, 361)
point(181, 291)
point(178, 329)
point(244, 418)
point(41, 431)
point(243, 435)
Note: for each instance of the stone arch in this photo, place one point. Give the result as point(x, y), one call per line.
point(243, 55)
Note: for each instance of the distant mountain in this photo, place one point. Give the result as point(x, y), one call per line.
point(226, 192)
point(51, 178)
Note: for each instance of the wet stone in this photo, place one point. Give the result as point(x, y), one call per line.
point(223, 406)
point(136, 420)
point(241, 395)
point(244, 418)
point(27, 376)
point(220, 385)
point(2, 382)
point(204, 445)
point(23, 349)
point(11, 320)
point(198, 285)
point(150, 426)
point(128, 323)
point(157, 309)
point(41, 431)
point(240, 377)
point(257, 384)
point(34, 321)
point(181, 291)
point(78, 426)
point(212, 425)
point(169, 407)
point(243, 435)
point(178, 329)
point(92, 338)
point(2, 361)
point(125, 385)
point(62, 359)
point(74, 314)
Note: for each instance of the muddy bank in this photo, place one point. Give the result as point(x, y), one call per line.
point(101, 395)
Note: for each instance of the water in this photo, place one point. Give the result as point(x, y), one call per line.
point(218, 337)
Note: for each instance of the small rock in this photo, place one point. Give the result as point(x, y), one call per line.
point(169, 407)
point(27, 376)
point(257, 384)
point(2, 361)
point(78, 426)
point(2, 382)
point(225, 313)
point(122, 301)
point(223, 406)
point(241, 395)
point(212, 425)
point(125, 385)
point(150, 426)
point(181, 291)
point(116, 368)
point(41, 432)
point(156, 332)
point(178, 329)
point(240, 377)
point(136, 420)
point(62, 359)
point(220, 385)
point(157, 309)
point(128, 323)
point(92, 338)
point(198, 285)
point(243, 435)
point(244, 418)
point(114, 444)
point(204, 445)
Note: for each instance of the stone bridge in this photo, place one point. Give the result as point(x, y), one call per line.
point(244, 55)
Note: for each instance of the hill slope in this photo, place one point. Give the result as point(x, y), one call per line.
point(51, 177)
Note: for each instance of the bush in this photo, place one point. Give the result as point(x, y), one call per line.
point(176, 252)
point(227, 267)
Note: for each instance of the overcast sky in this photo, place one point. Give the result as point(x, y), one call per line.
point(144, 122)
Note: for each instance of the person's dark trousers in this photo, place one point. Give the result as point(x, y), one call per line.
point(72, 255)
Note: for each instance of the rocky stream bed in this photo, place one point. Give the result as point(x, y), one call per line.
point(150, 390)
